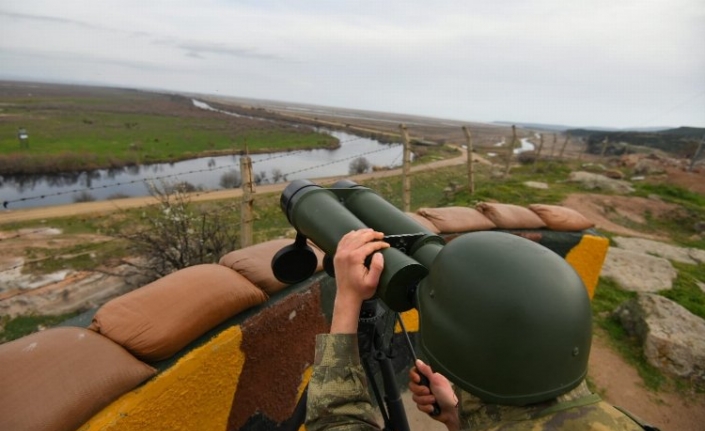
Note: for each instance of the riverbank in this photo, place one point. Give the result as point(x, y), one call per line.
point(77, 128)
point(98, 207)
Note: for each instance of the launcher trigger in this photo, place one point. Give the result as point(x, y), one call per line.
point(403, 242)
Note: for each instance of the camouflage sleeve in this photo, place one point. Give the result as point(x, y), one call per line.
point(337, 392)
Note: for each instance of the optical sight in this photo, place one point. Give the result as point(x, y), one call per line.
point(325, 215)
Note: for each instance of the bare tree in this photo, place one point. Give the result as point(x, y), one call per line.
point(277, 175)
point(359, 166)
point(175, 234)
point(261, 177)
point(231, 180)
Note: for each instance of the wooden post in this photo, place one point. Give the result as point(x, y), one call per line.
point(406, 170)
point(538, 153)
point(247, 202)
point(553, 147)
point(604, 147)
point(510, 150)
point(567, 138)
point(580, 150)
point(471, 170)
point(696, 155)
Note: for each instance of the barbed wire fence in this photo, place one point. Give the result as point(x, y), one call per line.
point(247, 219)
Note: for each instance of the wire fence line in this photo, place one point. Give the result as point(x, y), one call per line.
point(283, 155)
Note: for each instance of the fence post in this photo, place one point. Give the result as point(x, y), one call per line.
point(696, 155)
point(247, 202)
point(567, 138)
point(553, 147)
point(510, 150)
point(406, 171)
point(604, 147)
point(471, 169)
point(538, 153)
point(580, 149)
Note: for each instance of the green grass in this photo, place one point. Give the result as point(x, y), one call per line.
point(686, 291)
point(68, 134)
point(12, 329)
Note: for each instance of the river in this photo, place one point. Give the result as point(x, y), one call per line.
point(204, 173)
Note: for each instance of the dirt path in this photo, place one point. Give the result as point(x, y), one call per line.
point(620, 384)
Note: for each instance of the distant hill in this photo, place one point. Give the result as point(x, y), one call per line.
point(563, 128)
point(681, 141)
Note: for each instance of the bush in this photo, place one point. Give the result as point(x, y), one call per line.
point(359, 166)
point(177, 234)
point(231, 180)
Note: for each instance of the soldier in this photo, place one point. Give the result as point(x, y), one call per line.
point(507, 372)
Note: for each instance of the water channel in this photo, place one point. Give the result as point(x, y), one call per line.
point(204, 173)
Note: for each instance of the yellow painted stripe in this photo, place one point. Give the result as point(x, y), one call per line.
point(587, 258)
point(196, 393)
point(411, 321)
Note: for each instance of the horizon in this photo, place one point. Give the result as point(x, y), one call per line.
point(559, 127)
point(626, 65)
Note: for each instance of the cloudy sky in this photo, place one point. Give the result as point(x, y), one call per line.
point(616, 63)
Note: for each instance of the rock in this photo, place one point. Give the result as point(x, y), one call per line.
point(596, 181)
point(692, 256)
point(699, 227)
point(536, 185)
point(614, 174)
point(701, 286)
point(638, 272)
point(648, 167)
point(673, 338)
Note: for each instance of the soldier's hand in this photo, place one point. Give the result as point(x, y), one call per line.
point(440, 392)
point(355, 281)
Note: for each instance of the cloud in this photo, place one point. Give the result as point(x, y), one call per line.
point(601, 62)
point(196, 49)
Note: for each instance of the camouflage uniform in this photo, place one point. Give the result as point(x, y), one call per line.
point(338, 399)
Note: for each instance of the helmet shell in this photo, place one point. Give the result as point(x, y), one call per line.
point(505, 319)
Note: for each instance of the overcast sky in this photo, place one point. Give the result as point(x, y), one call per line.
point(616, 63)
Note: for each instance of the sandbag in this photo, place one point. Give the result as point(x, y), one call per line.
point(561, 218)
point(423, 221)
point(255, 263)
point(159, 319)
point(456, 219)
point(508, 216)
point(57, 379)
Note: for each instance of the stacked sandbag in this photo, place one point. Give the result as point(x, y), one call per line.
point(561, 218)
point(456, 219)
point(159, 319)
point(57, 379)
point(508, 216)
point(489, 215)
point(255, 263)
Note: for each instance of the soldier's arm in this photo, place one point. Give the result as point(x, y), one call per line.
point(337, 392)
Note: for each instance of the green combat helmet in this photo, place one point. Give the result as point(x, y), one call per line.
point(505, 319)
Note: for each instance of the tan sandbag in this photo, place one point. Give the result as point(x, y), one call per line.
point(456, 219)
point(55, 380)
point(255, 263)
point(159, 319)
point(561, 218)
point(423, 221)
point(508, 216)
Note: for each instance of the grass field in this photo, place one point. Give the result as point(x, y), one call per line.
point(76, 129)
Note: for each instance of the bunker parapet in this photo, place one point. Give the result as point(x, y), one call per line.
point(225, 346)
